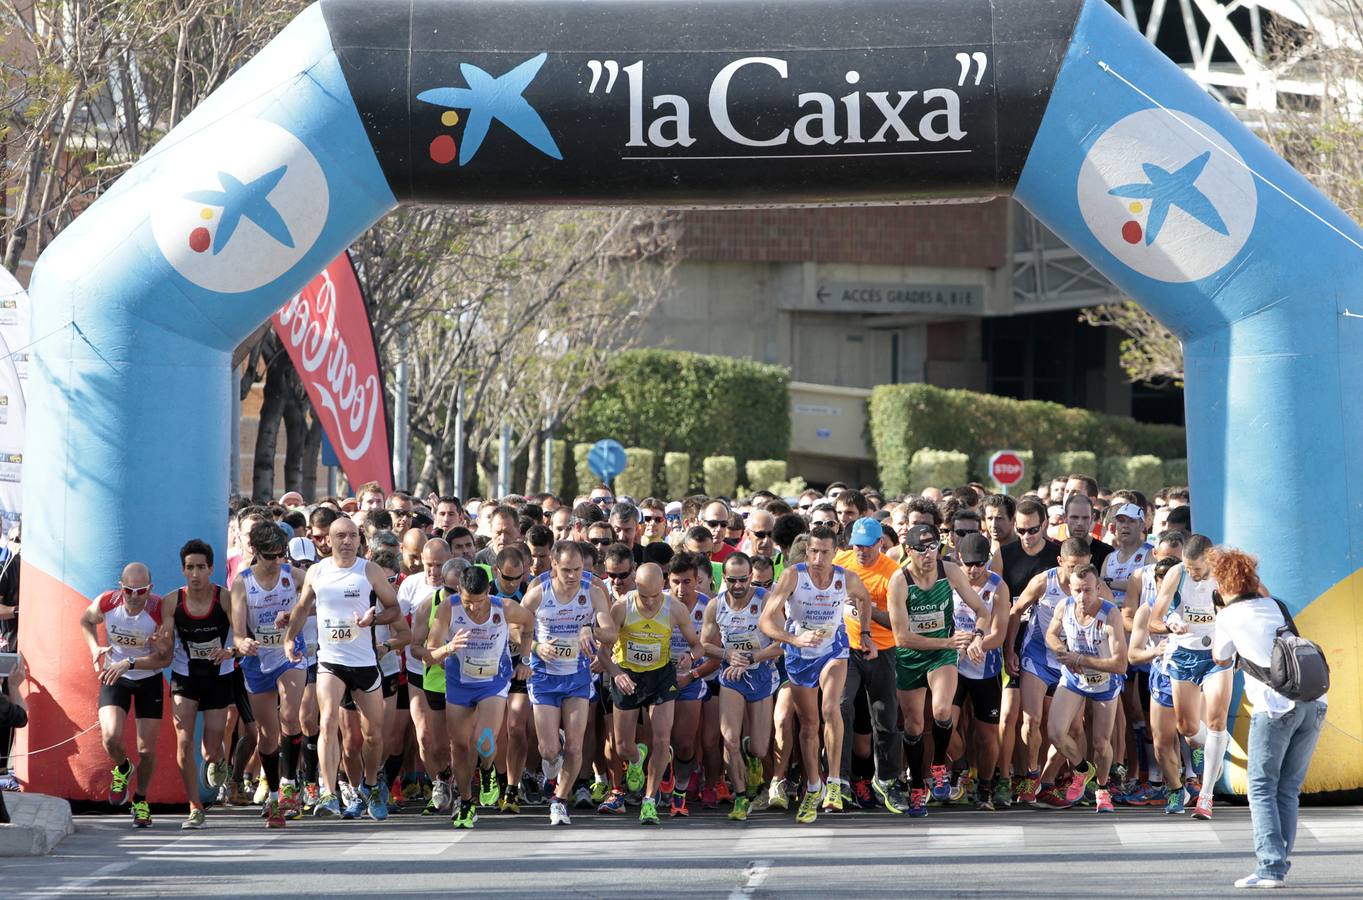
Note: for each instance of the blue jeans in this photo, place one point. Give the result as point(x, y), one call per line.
point(1279, 751)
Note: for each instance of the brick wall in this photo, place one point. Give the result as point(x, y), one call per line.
point(967, 235)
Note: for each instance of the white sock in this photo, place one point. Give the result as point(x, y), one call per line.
point(1217, 744)
point(815, 787)
point(1199, 739)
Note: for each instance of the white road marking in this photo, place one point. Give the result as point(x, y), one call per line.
point(965, 837)
point(784, 840)
point(751, 879)
point(1159, 833)
point(212, 845)
point(386, 846)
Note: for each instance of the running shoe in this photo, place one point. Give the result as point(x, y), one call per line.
point(1193, 789)
point(1151, 795)
point(289, 802)
point(1074, 791)
point(777, 798)
point(755, 773)
point(962, 789)
point(679, 804)
point(634, 771)
point(531, 790)
point(511, 800)
point(1103, 801)
point(141, 814)
point(861, 794)
point(614, 804)
point(1258, 881)
point(236, 793)
point(489, 788)
point(440, 795)
point(832, 797)
point(599, 789)
point(669, 782)
point(1051, 798)
point(918, 803)
point(119, 784)
point(9, 783)
point(985, 803)
point(274, 816)
point(378, 806)
point(887, 792)
point(809, 807)
point(723, 791)
point(327, 806)
point(465, 814)
point(1199, 755)
point(1003, 794)
point(648, 812)
point(412, 789)
point(941, 787)
point(1173, 805)
point(195, 821)
point(740, 811)
point(354, 809)
point(1203, 809)
point(262, 791)
point(216, 773)
point(558, 813)
point(582, 798)
point(1027, 790)
point(348, 794)
point(709, 797)
point(311, 794)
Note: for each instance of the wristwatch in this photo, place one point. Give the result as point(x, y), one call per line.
point(525, 660)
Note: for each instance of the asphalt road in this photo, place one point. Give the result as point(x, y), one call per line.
point(950, 853)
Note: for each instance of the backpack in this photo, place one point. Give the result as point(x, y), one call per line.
point(1297, 669)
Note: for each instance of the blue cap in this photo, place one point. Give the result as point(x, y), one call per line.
point(866, 532)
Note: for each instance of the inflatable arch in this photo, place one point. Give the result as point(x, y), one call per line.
point(359, 105)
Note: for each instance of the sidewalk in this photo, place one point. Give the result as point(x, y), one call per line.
point(39, 823)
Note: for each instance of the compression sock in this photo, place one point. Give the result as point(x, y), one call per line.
point(913, 756)
point(289, 751)
point(391, 767)
point(270, 763)
point(310, 758)
point(682, 769)
point(941, 741)
point(1217, 744)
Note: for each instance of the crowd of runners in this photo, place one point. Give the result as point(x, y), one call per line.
point(841, 652)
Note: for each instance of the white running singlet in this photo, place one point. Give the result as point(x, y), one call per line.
point(343, 596)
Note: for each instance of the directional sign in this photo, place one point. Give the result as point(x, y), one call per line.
point(606, 459)
point(1005, 467)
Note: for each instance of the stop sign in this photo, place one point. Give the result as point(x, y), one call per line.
point(1005, 467)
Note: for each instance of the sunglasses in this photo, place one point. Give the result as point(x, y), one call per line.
point(760, 535)
point(653, 519)
point(806, 506)
point(603, 500)
point(617, 576)
point(717, 523)
point(974, 563)
point(962, 532)
point(300, 564)
point(602, 542)
point(929, 547)
point(1033, 530)
point(135, 591)
point(737, 579)
point(762, 584)
point(270, 556)
point(392, 579)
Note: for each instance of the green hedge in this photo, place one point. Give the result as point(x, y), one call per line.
point(668, 400)
point(1071, 462)
point(1175, 473)
point(558, 465)
point(937, 468)
point(721, 475)
point(906, 417)
point(763, 473)
point(1138, 473)
point(582, 472)
point(637, 479)
point(677, 474)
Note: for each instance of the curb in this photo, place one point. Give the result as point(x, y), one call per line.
point(39, 824)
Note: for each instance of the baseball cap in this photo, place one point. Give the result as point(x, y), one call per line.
point(1053, 511)
point(973, 549)
point(921, 534)
point(350, 504)
point(302, 548)
point(866, 532)
point(1131, 511)
point(674, 508)
point(292, 496)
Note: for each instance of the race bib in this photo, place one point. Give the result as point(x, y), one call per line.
point(1199, 616)
point(124, 638)
point(1095, 681)
point(850, 610)
point(479, 668)
point(202, 649)
point(337, 631)
point(923, 623)
point(268, 636)
point(562, 648)
point(741, 641)
point(643, 653)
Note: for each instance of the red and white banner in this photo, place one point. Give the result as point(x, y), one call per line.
point(327, 332)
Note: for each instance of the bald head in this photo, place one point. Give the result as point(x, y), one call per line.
point(135, 575)
point(413, 540)
point(434, 554)
point(649, 580)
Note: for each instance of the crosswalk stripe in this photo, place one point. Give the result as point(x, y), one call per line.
point(388, 845)
point(991, 837)
point(212, 845)
point(1159, 834)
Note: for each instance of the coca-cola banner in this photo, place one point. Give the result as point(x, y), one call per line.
point(327, 332)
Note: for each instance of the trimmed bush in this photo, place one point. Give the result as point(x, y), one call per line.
point(721, 475)
point(1137, 473)
point(937, 468)
point(906, 417)
point(677, 474)
point(1073, 462)
point(582, 471)
point(792, 488)
point(637, 479)
point(1028, 472)
point(668, 400)
point(1175, 473)
point(763, 473)
point(559, 464)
